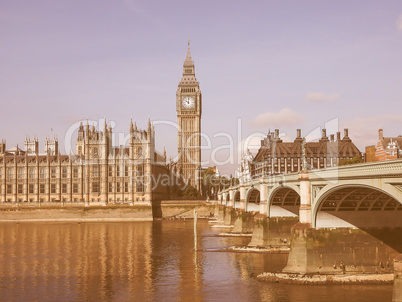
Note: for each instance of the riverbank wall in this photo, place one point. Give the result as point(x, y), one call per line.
point(98, 212)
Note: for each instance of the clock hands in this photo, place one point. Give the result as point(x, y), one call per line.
point(188, 102)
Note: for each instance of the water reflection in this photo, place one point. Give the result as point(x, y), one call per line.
point(145, 261)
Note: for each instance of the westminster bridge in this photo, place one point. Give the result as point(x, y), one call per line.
point(360, 195)
point(334, 220)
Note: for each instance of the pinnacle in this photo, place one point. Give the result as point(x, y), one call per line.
point(189, 60)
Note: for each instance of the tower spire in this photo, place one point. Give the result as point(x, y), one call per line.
point(189, 60)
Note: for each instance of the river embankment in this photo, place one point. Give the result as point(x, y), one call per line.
point(327, 278)
point(97, 212)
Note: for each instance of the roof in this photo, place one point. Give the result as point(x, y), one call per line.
point(342, 148)
point(386, 140)
point(189, 60)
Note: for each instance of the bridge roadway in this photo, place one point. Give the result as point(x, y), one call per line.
point(345, 219)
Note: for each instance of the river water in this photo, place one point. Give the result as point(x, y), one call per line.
point(146, 261)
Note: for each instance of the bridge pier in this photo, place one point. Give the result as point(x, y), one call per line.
point(229, 216)
point(263, 199)
point(231, 197)
point(337, 251)
point(397, 297)
point(272, 232)
point(242, 203)
point(244, 223)
point(219, 212)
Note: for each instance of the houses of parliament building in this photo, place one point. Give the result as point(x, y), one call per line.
point(100, 172)
point(97, 173)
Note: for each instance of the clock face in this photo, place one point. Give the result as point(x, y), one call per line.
point(188, 102)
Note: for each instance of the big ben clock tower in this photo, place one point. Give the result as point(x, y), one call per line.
point(188, 108)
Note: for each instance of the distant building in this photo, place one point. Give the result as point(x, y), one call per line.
point(214, 169)
point(98, 172)
point(244, 172)
point(369, 155)
point(278, 157)
point(386, 148)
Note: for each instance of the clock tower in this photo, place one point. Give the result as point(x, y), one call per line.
point(188, 108)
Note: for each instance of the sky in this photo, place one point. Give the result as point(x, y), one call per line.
point(262, 65)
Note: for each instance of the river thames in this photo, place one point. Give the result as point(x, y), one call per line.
point(147, 261)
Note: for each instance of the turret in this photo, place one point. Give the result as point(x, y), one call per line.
point(3, 147)
point(105, 128)
point(81, 132)
point(131, 127)
point(51, 146)
point(149, 130)
point(87, 131)
point(31, 146)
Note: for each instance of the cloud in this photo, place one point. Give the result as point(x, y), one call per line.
point(364, 130)
point(321, 97)
point(285, 117)
point(399, 22)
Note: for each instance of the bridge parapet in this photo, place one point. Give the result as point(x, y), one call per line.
point(385, 177)
point(389, 168)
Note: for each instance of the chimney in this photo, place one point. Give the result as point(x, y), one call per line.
point(298, 137)
point(338, 136)
point(276, 133)
point(332, 138)
point(380, 134)
point(324, 137)
point(345, 132)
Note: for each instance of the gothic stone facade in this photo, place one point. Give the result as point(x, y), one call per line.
point(97, 173)
point(188, 109)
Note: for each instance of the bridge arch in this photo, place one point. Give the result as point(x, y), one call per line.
point(357, 205)
point(227, 199)
point(252, 200)
point(283, 201)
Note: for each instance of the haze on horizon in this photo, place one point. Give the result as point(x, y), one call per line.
point(270, 64)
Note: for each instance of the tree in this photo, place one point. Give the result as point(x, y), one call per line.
point(208, 176)
point(350, 161)
point(190, 192)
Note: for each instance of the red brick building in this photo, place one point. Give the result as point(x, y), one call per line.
point(386, 148)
